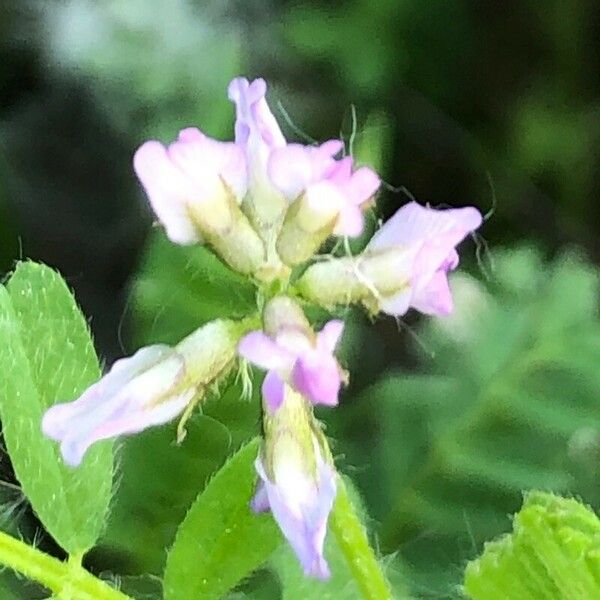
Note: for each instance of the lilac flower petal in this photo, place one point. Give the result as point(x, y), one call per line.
point(206, 163)
point(130, 398)
point(253, 116)
point(273, 390)
point(414, 224)
point(260, 500)
point(167, 190)
point(303, 521)
point(397, 304)
point(190, 134)
point(317, 377)
point(435, 298)
point(350, 221)
point(329, 336)
point(259, 349)
point(294, 167)
point(363, 185)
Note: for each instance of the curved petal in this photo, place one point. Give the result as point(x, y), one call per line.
point(329, 336)
point(398, 304)
point(294, 167)
point(168, 191)
point(435, 298)
point(253, 116)
point(273, 390)
point(134, 395)
point(206, 162)
point(350, 221)
point(305, 528)
point(363, 185)
point(317, 377)
point(415, 224)
point(259, 349)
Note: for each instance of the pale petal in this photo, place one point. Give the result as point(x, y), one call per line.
point(168, 191)
point(253, 116)
point(415, 224)
point(363, 185)
point(435, 298)
point(134, 395)
point(207, 162)
point(260, 500)
point(305, 532)
point(396, 305)
point(294, 167)
point(273, 390)
point(317, 377)
point(329, 336)
point(259, 349)
point(350, 221)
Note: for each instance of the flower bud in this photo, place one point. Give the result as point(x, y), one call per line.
point(297, 480)
point(292, 353)
point(149, 388)
point(327, 197)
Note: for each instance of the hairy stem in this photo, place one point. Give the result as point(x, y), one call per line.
point(67, 580)
point(352, 539)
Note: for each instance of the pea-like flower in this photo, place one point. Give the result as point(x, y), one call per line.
point(297, 481)
point(292, 353)
point(195, 186)
point(405, 265)
point(138, 392)
point(150, 388)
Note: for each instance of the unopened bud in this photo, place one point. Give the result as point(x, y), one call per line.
point(298, 481)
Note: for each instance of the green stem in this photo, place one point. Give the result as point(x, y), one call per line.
point(64, 579)
point(352, 540)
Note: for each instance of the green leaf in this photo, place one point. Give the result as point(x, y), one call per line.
point(47, 356)
point(552, 553)
point(356, 573)
point(504, 399)
point(147, 509)
point(221, 541)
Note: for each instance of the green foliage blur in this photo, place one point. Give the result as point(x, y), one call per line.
point(445, 422)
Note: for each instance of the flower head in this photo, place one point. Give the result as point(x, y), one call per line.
point(293, 353)
point(297, 483)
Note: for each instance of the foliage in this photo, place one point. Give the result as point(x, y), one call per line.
point(47, 357)
point(505, 399)
point(553, 552)
point(205, 560)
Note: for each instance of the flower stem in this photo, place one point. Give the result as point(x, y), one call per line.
point(352, 540)
point(66, 580)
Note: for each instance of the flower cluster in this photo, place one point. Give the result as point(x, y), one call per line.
point(264, 206)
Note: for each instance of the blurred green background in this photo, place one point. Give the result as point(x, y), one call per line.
point(445, 422)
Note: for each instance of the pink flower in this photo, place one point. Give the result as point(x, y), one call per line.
point(300, 502)
point(138, 392)
point(420, 243)
point(149, 388)
point(187, 176)
point(291, 356)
